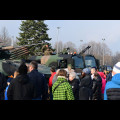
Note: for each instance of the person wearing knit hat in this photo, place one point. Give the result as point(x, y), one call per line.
point(116, 69)
point(86, 71)
point(112, 88)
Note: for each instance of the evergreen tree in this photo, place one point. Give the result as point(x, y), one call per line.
point(33, 32)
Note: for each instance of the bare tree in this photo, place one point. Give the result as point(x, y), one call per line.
point(72, 46)
point(5, 39)
point(15, 43)
point(97, 50)
point(60, 46)
point(115, 58)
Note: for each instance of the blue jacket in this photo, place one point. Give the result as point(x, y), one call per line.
point(6, 98)
point(114, 83)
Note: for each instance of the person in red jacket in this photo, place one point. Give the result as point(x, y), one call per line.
point(52, 70)
point(102, 75)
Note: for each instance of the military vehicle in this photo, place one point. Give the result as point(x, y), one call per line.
point(11, 59)
point(7, 64)
point(78, 61)
point(106, 68)
point(61, 60)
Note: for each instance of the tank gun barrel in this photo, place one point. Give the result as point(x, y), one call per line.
point(17, 53)
point(7, 48)
point(84, 50)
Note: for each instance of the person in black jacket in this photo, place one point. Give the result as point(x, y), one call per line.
point(3, 85)
point(109, 77)
point(38, 81)
point(85, 90)
point(97, 85)
point(75, 84)
point(21, 88)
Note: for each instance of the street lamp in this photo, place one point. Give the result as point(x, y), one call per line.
point(103, 51)
point(57, 38)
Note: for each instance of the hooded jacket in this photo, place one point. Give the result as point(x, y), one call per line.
point(21, 88)
point(112, 89)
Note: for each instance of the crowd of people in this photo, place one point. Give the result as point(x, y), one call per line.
point(64, 84)
point(26, 84)
point(92, 84)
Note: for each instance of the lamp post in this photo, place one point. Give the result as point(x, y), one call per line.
point(57, 38)
point(103, 51)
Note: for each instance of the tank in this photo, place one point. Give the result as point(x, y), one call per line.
point(78, 61)
point(11, 59)
point(8, 67)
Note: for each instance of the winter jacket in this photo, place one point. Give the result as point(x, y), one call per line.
point(3, 85)
point(75, 87)
point(103, 81)
point(97, 85)
point(21, 88)
point(112, 88)
point(109, 77)
point(40, 84)
point(6, 98)
point(103, 85)
point(54, 79)
point(51, 78)
point(85, 90)
point(63, 91)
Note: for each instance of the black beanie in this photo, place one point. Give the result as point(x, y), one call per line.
point(22, 69)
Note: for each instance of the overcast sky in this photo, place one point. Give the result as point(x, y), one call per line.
point(76, 30)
